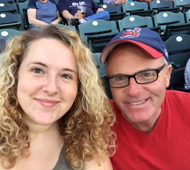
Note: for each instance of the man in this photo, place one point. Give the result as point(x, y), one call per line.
point(71, 9)
point(153, 130)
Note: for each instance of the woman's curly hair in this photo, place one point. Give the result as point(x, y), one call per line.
point(86, 127)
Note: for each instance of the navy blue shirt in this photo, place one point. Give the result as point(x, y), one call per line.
point(72, 6)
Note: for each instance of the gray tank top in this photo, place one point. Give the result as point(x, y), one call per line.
point(62, 163)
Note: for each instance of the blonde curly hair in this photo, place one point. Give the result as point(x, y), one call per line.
point(86, 128)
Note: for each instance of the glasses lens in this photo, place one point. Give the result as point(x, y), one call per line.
point(146, 76)
point(119, 81)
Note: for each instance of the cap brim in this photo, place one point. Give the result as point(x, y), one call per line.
point(154, 53)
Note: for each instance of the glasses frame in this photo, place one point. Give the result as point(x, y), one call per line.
point(158, 70)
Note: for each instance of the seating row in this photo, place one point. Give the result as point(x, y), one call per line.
point(117, 12)
point(97, 33)
point(20, 15)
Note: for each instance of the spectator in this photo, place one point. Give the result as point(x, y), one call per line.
point(187, 75)
point(116, 2)
point(70, 9)
point(153, 123)
point(54, 113)
point(42, 12)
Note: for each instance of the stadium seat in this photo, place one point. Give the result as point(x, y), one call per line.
point(177, 80)
point(114, 11)
point(177, 29)
point(183, 4)
point(97, 33)
point(10, 20)
point(8, 1)
point(18, 1)
point(8, 7)
point(23, 11)
point(178, 48)
point(187, 15)
point(137, 8)
point(9, 33)
point(163, 5)
point(102, 73)
point(163, 19)
point(133, 21)
point(99, 1)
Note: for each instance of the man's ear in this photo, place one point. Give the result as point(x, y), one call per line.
point(168, 75)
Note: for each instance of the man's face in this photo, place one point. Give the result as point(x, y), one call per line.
point(140, 104)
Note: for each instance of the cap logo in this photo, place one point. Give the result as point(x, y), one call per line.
point(131, 33)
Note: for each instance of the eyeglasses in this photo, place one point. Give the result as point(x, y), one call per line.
point(142, 77)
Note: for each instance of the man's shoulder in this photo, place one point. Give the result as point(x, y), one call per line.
point(175, 93)
point(177, 98)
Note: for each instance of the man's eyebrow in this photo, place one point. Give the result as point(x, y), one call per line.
point(122, 74)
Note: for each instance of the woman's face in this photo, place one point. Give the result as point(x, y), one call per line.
point(47, 81)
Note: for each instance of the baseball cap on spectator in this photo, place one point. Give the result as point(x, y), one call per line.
point(148, 40)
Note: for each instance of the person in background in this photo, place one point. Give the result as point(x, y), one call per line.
point(54, 113)
point(71, 9)
point(153, 123)
point(116, 2)
point(187, 75)
point(42, 12)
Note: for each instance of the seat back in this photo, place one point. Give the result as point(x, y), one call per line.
point(187, 15)
point(101, 70)
point(157, 4)
point(178, 48)
point(177, 29)
point(9, 33)
point(23, 11)
point(165, 18)
point(10, 20)
point(181, 3)
point(8, 1)
point(97, 33)
point(137, 8)
point(8, 7)
point(98, 1)
point(177, 81)
point(133, 21)
point(114, 11)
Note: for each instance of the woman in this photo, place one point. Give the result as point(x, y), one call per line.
point(42, 12)
point(53, 106)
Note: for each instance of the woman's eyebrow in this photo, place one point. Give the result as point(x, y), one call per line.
point(39, 63)
point(64, 69)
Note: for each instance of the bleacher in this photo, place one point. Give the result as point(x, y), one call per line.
point(171, 19)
